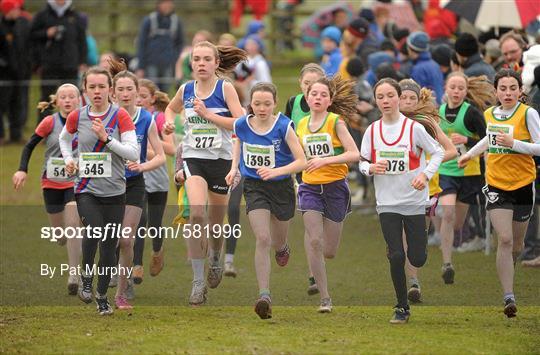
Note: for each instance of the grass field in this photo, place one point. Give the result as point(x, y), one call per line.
point(37, 315)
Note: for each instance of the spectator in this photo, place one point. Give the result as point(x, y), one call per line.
point(531, 60)
point(255, 27)
point(260, 70)
point(469, 57)
point(353, 36)
point(59, 45)
point(424, 71)
point(14, 69)
point(330, 38)
point(93, 52)
point(493, 54)
point(159, 44)
point(364, 39)
point(512, 47)
point(442, 54)
point(375, 60)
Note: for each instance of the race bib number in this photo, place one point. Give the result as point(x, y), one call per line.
point(95, 165)
point(461, 149)
point(56, 169)
point(492, 131)
point(204, 136)
point(398, 160)
point(318, 145)
point(259, 156)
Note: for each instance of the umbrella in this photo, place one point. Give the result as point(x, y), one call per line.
point(505, 13)
point(312, 27)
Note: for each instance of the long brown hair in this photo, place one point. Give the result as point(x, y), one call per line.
point(228, 56)
point(342, 95)
point(118, 69)
point(161, 99)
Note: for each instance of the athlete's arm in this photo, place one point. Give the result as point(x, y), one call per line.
point(159, 156)
point(127, 147)
point(229, 179)
point(179, 167)
point(450, 151)
point(289, 106)
point(296, 166)
point(478, 149)
point(533, 125)
point(474, 122)
point(427, 143)
point(350, 154)
point(233, 103)
point(66, 137)
point(174, 107)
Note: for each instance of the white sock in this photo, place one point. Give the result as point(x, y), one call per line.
point(229, 258)
point(198, 269)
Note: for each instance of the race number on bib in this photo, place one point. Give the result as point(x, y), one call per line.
point(204, 136)
point(461, 149)
point(492, 130)
point(318, 145)
point(56, 169)
point(398, 160)
point(95, 165)
point(259, 156)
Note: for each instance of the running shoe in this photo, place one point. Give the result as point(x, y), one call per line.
point(510, 308)
point(229, 270)
point(312, 288)
point(73, 285)
point(137, 275)
point(326, 305)
point(103, 306)
point(434, 240)
point(114, 281)
point(215, 273)
point(282, 256)
point(414, 295)
point(477, 244)
point(157, 263)
point(85, 291)
point(263, 307)
point(531, 263)
point(130, 290)
point(448, 274)
point(122, 303)
point(401, 316)
point(198, 293)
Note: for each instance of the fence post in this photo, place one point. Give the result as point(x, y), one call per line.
point(113, 24)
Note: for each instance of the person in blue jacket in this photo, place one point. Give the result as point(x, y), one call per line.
point(425, 71)
point(330, 38)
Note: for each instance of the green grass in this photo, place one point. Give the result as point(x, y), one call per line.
point(293, 330)
point(37, 315)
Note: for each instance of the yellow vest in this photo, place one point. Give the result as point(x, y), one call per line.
point(505, 169)
point(434, 187)
point(328, 173)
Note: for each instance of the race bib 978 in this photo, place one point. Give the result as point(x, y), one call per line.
point(398, 160)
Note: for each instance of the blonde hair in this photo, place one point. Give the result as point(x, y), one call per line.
point(43, 105)
point(161, 99)
point(228, 56)
point(311, 68)
point(480, 92)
